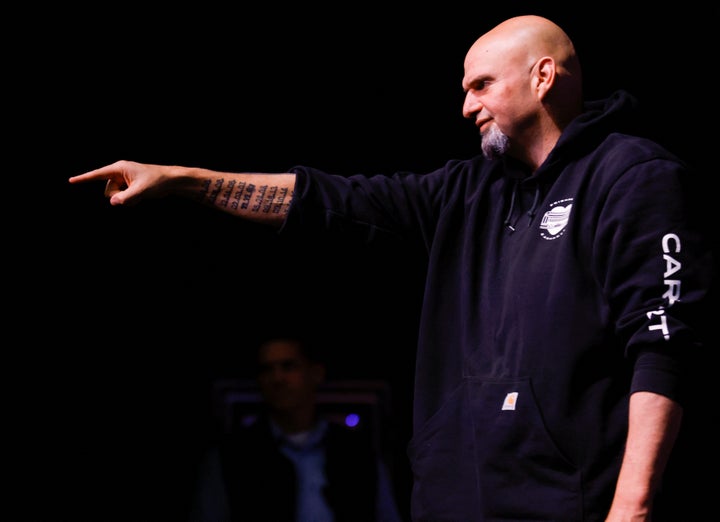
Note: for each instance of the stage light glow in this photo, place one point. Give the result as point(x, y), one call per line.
point(352, 420)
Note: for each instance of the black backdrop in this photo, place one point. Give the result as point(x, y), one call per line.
point(121, 317)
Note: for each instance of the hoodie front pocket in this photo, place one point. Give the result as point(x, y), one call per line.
point(486, 455)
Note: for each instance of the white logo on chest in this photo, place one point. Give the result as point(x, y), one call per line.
point(555, 220)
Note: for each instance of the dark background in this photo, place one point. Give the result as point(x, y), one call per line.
point(120, 318)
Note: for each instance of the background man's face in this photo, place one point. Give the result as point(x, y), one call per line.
point(287, 379)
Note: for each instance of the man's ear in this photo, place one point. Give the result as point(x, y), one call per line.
point(543, 76)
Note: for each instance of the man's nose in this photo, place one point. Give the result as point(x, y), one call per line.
point(471, 106)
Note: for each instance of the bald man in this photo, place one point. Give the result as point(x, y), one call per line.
point(565, 276)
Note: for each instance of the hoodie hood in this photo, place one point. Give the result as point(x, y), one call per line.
point(617, 113)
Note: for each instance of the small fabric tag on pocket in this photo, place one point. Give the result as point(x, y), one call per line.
point(510, 401)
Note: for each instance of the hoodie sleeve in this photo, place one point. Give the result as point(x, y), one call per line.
point(363, 208)
point(657, 269)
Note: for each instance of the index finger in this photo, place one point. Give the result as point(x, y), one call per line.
point(105, 172)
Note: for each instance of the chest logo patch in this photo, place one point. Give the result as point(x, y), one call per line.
point(556, 219)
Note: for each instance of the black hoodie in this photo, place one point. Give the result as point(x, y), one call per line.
point(549, 299)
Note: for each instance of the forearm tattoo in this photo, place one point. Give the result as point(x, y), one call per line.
point(239, 195)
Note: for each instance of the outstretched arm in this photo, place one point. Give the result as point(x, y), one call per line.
point(259, 197)
point(654, 421)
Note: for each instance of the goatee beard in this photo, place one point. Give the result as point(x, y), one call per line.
point(494, 143)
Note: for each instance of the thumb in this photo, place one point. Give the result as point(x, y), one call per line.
point(120, 193)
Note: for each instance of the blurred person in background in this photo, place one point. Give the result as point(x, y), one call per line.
point(291, 463)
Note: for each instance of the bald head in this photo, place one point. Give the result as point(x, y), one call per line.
point(523, 85)
point(525, 39)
